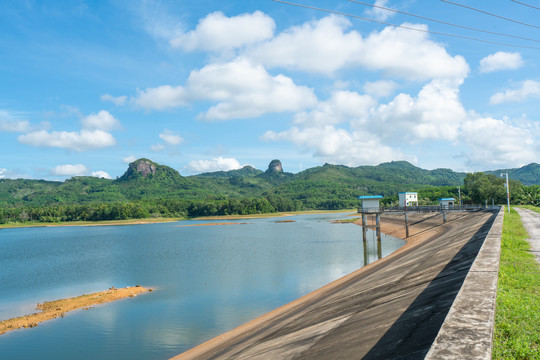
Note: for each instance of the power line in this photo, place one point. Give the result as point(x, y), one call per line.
point(491, 14)
point(444, 22)
point(522, 3)
point(405, 27)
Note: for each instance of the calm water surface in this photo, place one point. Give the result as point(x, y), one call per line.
point(210, 279)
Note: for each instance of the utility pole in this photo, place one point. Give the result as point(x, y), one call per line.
point(459, 193)
point(507, 192)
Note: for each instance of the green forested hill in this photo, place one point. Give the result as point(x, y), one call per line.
point(328, 186)
point(528, 174)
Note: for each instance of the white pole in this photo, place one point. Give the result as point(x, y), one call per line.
point(507, 193)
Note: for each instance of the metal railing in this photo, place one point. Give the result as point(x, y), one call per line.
point(427, 208)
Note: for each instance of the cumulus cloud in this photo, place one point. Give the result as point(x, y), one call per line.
point(324, 46)
point(378, 13)
point(129, 159)
point(218, 32)
point(380, 88)
point(216, 164)
point(528, 89)
point(342, 106)
point(335, 145)
point(436, 113)
point(70, 170)
point(171, 138)
point(3, 173)
point(241, 90)
point(103, 120)
point(162, 97)
point(501, 60)
point(100, 174)
point(118, 100)
point(497, 143)
point(72, 140)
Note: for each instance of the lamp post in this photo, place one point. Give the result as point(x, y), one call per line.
point(507, 191)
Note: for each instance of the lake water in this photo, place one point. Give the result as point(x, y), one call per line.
point(208, 279)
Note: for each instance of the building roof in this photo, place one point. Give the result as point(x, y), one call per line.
point(447, 199)
point(370, 197)
point(408, 192)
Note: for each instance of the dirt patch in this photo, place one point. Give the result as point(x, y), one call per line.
point(284, 221)
point(58, 308)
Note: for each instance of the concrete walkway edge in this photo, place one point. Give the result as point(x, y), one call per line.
point(467, 332)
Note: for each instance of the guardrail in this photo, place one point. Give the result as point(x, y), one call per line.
point(427, 208)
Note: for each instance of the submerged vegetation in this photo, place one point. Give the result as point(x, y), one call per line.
point(151, 190)
point(517, 316)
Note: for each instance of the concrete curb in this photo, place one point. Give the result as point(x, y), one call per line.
point(467, 331)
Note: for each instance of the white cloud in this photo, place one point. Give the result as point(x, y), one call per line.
point(436, 113)
point(498, 143)
point(380, 88)
point(14, 125)
point(217, 32)
point(342, 106)
point(501, 60)
point(129, 159)
point(324, 46)
point(10, 122)
point(378, 13)
point(528, 89)
point(171, 138)
point(75, 140)
point(241, 89)
point(318, 46)
point(70, 170)
point(3, 173)
point(118, 100)
point(100, 174)
point(339, 146)
point(216, 164)
point(162, 97)
point(103, 120)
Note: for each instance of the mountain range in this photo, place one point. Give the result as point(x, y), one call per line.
point(145, 179)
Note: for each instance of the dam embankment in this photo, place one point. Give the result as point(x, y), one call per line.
point(411, 304)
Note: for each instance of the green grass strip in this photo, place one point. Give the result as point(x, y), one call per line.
point(517, 317)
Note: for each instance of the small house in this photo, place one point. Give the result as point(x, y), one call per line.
point(371, 203)
point(447, 203)
point(408, 199)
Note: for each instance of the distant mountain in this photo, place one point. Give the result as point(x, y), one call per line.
point(528, 174)
point(328, 186)
point(246, 171)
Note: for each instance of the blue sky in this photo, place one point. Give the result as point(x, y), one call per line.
point(88, 86)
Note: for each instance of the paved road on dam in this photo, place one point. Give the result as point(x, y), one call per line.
point(531, 221)
point(391, 309)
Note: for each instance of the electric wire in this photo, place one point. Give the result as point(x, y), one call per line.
point(444, 22)
point(491, 14)
point(529, 5)
point(407, 27)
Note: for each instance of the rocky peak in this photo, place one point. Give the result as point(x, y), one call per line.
point(274, 167)
point(144, 167)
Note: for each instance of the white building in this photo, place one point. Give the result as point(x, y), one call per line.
point(371, 203)
point(447, 203)
point(408, 199)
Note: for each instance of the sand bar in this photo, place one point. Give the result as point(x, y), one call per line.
point(57, 308)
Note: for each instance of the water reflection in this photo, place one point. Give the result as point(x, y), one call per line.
point(210, 280)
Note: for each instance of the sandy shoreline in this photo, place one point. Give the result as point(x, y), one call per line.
point(164, 220)
point(422, 228)
point(57, 308)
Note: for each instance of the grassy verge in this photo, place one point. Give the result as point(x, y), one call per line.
point(517, 317)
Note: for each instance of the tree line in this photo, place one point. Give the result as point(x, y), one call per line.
point(477, 189)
